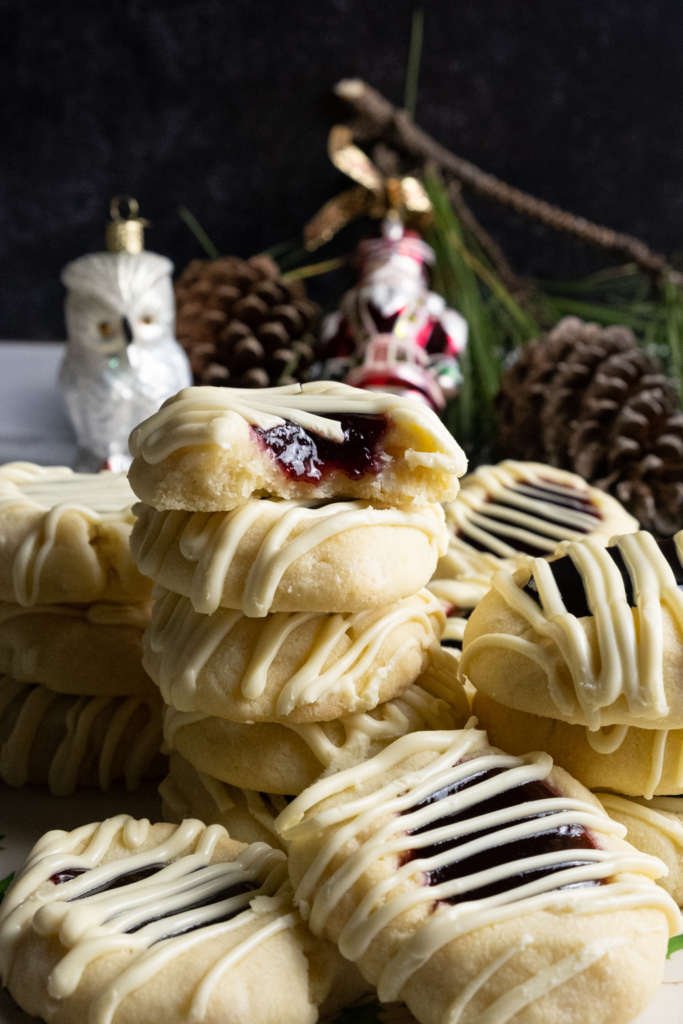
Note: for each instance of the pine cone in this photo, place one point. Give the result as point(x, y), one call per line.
point(242, 325)
point(523, 394)
point(589, 399)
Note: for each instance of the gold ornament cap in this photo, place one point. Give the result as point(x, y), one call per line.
point(126, 230)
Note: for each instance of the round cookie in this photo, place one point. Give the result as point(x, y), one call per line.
point(125, 921)
point(431, 868)
point(637, 762)
point(594, 637)
point(291, 757)
point(64, 537)
point(514, 509)
point(65, 741)
point(82, 649)
point(655, 827)
point(211, 449)
point(302, 667)
point(277, 556)
point(246, 814)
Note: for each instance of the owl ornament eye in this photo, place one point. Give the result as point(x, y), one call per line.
point(105, 328)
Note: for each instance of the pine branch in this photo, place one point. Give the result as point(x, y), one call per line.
point(375, 117)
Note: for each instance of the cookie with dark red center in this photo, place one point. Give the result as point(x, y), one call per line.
point(467, 882)
point(592, 637)
point(124, 921)
point(212, 449)
point(516, 509)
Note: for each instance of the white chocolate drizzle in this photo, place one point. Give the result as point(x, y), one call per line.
point(350, 739)
point(46, 495)
point(50, 487)
point(203, 416)
point(185, 789)
point(208, 541)
point(618, 675)
point(132, 737)
point(367, 824)
point(658, 812)
point(155, 919)
point(506, 512)
point(182, 641)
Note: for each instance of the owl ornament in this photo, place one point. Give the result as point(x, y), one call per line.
point(122, 359)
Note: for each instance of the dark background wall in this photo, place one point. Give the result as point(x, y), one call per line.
point(223, 106)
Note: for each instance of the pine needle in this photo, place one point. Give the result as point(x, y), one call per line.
point(497, 323)
point(199, 233)
point(314, 269)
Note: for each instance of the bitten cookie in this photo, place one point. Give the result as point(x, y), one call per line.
point(282, 556)
point(512, 509)
point(66, 741)
point(655, 827)
point(64, 537)
point(302, 667)
point(247, 815)
point(637, 762)
point(292, 756)
point(212, 449)
point(123, 921)
point(594, 637)
point(476, 886)
point(85, 649)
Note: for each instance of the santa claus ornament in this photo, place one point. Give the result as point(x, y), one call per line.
point(391, 333)
point(122, 359)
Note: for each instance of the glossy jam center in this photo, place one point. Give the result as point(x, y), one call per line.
point(308, 457)
point(548, 838)
point(215, 899)
point(558, 500)
point(125, 878)
point(571, 585)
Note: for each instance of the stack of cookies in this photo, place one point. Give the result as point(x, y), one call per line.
point(505, 513)
point(582, 656)
point(76, 706)
point(290, 533)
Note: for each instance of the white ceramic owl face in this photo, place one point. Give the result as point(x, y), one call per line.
point(118, 299)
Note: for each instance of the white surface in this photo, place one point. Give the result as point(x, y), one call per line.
point(33, 423)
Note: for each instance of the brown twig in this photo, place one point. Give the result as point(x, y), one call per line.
point(490, 246)
point(375, 117)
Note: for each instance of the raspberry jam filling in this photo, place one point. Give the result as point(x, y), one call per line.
point(139, 874)
point(549, 838)
point(571, 586)
point(305, 456)
point(125, 878)
point(561, 499)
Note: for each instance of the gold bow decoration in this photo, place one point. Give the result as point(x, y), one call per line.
point(374, 194)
